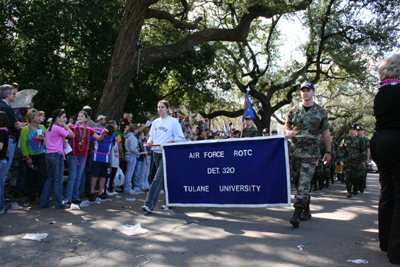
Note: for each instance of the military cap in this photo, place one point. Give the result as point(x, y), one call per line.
point(307, 85)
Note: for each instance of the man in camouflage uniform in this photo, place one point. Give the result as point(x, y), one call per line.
point(352, 153)
point(303, 125)
point(365, 156)
point(340, 159)
point(250, 130)
point(334, 148)
point(317, 181)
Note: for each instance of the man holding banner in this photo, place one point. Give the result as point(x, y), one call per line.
point(248, 117)
point(304, 124)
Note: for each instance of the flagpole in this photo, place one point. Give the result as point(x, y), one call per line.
point(241, 132)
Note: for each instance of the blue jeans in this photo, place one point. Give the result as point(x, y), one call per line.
point(157, 184)
point(3, 164)
point(130, 169)
point(10, 155)
point(54, 181)
point(137, 178)
point(75, 176)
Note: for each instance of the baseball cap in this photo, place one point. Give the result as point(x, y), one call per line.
point(274, 131)
point(352, 126)
point(360, 128)
point(248, 117)
point(265, 130)
point(100, 117)
point(307, 85)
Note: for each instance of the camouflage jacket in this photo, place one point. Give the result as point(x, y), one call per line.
point(353, 148)
point(334, 149)
point(252, 132)
point(339, 153)
point(365, 148)
point(309, 124)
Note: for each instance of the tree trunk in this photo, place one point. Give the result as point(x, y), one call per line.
point(124, 61)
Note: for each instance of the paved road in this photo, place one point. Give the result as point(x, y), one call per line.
point(340, 229)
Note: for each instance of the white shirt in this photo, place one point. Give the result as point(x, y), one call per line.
point(164, 130)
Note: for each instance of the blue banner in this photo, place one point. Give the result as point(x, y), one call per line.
point(246, 172)
point(248, 109)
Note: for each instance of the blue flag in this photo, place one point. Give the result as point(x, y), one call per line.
point(248, 110)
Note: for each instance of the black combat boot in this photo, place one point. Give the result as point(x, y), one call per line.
point(295, 221)
point(365, 184)
point(314, 186)
point(348, 192)
point(306, 215)
point(333, 179)
point(355, 191)
point(361, 187)
point(327, 183)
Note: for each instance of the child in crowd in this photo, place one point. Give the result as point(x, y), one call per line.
point(54, 142)
point(149, 122)
point(114, 160)
point(131, 156)
point(3, 154)
point(77, 157)
point(146, 163)
point(139, 187)
point(124, 119)
point(33, 150)
point(101, 162)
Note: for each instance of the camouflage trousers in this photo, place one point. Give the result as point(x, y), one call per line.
point(352, 173)
point(302, 170)
point(364, 173)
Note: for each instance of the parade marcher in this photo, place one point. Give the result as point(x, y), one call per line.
point(304, 124)
point(385, 151)
point(318, 178)
point(249, 130)
point(265, 132)
point(163, 130)
point(334, 148)
point(352, 153)
point(33, 150)
point(274, 132)
point(54, 141)
point(366, 154)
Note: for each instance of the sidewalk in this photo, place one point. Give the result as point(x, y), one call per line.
point(340, 229)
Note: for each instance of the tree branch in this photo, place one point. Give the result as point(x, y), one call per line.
point(229, 114)
point(159, 14)
point(162, 53)
point(278, 120)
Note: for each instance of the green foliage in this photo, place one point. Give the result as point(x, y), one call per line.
point(61, 48)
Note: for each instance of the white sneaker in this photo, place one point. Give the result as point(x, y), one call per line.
point(162, 192)
point(165, 207)
point(114, 193)
point(109, 194)
point(132, 192)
